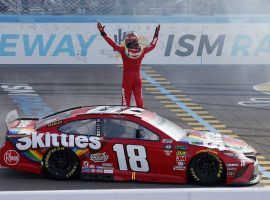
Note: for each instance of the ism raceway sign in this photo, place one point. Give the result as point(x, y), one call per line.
point(178, 43)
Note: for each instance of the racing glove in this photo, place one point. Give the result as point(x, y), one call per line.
point(157, 31)
point(101, 29)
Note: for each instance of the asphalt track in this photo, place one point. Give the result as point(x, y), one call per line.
point(218, 89)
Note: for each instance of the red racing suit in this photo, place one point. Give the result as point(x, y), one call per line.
point(132, 81)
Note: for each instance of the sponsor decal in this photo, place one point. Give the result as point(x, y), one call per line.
point(99, 157)
point(42, 140)
point(55, 123)
point(133, 53)
point(180, 165)
point(167, 141)
point(108, 171)
point(215, 140)
point(232, 165)
point(231, 168)
point(231, 173)
point(181, 147)
point(124, 101)
point(168, 147)
point(243, 163)
point(85, 170)
point(85, 164)
point(180, 158)
point(198, 143)
point(98, 127)
point(107, 164)
point(88, 170)
point(168, 152)
point(11, 157)
point(181, 153)
point(99, 170)
point(178, 168)
point(24, 124)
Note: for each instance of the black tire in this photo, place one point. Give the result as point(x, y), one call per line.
point(61, 164)
point(206, 169)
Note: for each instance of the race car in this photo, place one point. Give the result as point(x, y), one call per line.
point(124, 144)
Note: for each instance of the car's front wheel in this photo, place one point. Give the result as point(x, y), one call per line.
point(206, 169)
point(61, 163)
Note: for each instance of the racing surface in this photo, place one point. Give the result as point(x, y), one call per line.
point(218, 89)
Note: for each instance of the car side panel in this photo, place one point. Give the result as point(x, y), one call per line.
point(12, 158)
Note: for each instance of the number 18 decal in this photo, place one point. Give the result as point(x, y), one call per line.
point(136, 157)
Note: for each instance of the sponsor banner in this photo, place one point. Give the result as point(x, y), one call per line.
point(81, 43)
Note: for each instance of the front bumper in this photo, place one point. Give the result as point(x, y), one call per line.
point(247, 175)
point(256, 177)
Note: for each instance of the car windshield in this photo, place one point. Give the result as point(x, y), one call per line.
point(166, 126)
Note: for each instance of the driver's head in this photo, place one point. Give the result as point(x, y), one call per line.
point(131, 40)
point(141, 134)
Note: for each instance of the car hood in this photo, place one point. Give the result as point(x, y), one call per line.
point(217, 141)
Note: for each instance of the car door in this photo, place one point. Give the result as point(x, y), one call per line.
point(136, 152)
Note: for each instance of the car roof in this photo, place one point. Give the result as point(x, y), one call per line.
point(100, 109)
point(92, 110)
point(116, 110)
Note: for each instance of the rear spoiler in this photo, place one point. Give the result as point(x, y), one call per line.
point(13, 116)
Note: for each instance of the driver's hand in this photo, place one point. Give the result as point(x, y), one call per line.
point(100, 27)
point(157, 31)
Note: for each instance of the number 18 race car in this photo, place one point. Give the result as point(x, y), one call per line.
point(122, 144)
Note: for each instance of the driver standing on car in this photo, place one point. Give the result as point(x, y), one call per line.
point(132, 54)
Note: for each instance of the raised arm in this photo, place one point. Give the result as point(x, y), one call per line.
point(154, 41)
point(107, 38)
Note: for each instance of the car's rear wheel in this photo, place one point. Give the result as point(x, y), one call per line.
point(61, 163)
point(206, 169)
